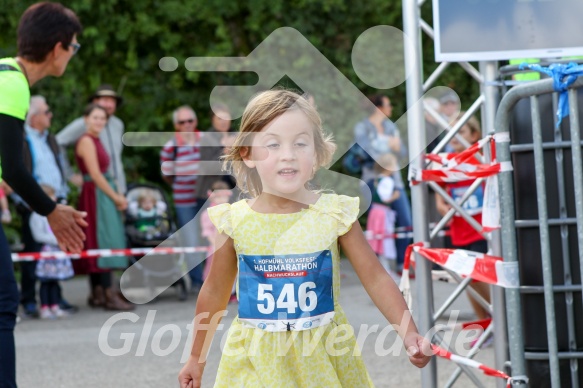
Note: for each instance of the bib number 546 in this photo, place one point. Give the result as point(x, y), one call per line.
point(307, 299)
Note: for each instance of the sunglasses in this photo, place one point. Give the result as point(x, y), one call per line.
point(76, 47)
point(182, 122)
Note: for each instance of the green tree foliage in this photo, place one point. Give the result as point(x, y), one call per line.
point(123, 41)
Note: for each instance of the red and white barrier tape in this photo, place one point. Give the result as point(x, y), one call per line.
point(405, 284)
point(471, 363)
point(472, 325)
point(462, 172)
point(478, 266)
point(32, 256)
point(459, 166)
point(91, 253)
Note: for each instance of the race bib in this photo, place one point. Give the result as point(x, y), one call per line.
point(474, 203)
point(286, 292)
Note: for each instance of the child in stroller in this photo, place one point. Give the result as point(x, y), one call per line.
point(148, 214)
point(148, 224)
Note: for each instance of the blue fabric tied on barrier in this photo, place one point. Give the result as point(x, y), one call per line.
point(563, 76)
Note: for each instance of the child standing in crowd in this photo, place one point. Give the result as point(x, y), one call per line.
point(282, 247)
point(463, 235)
point(49, 271)
point(217, 195)
point(381, 218)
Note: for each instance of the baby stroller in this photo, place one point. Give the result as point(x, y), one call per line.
point(149, 228)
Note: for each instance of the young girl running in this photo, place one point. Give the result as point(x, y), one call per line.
point(282, 247)
point(463, 236)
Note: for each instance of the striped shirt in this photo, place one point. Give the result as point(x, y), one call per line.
point(180, 161)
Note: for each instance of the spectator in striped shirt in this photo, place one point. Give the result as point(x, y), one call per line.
point(182, 176)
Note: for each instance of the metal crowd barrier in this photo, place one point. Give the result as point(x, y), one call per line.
point(510, 227)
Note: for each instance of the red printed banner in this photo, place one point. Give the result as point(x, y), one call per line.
point(296, 274)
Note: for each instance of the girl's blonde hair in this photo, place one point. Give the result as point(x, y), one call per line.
point(262, 109)
point(386, 162)
point(146, 194)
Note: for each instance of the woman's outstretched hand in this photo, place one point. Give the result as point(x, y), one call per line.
point(67, 223)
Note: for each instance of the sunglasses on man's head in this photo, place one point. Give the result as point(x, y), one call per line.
point(182, 122)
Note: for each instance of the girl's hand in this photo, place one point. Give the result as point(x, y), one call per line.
point(418, 349)
point(191, 374)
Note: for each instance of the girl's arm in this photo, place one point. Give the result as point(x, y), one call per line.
point(442, 206)
point(87, 151)
point(386, 190)
point(384, 293)
point(212, 301)
point(394, 197)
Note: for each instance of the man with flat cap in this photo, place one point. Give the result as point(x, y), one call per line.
point(106, 97)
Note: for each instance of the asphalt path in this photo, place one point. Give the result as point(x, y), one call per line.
point(146, 348)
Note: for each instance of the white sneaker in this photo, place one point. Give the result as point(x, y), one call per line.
point(58, 313)
point(46, 313)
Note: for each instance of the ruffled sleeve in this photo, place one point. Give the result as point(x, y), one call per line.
point(220, 216)
point(348, 209)
point(341, 208)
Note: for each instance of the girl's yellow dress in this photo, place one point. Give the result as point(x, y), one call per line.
point(325, 356)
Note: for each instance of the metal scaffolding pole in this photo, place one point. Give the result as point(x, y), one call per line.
point(489, 70)
point(417, 143)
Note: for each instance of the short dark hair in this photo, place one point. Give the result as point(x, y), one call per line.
point(42, 26)
point(91, 107)
point(377, 99)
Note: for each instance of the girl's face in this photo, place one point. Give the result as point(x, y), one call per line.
point(284, 154)
point(96, 121)
point(467, 134)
